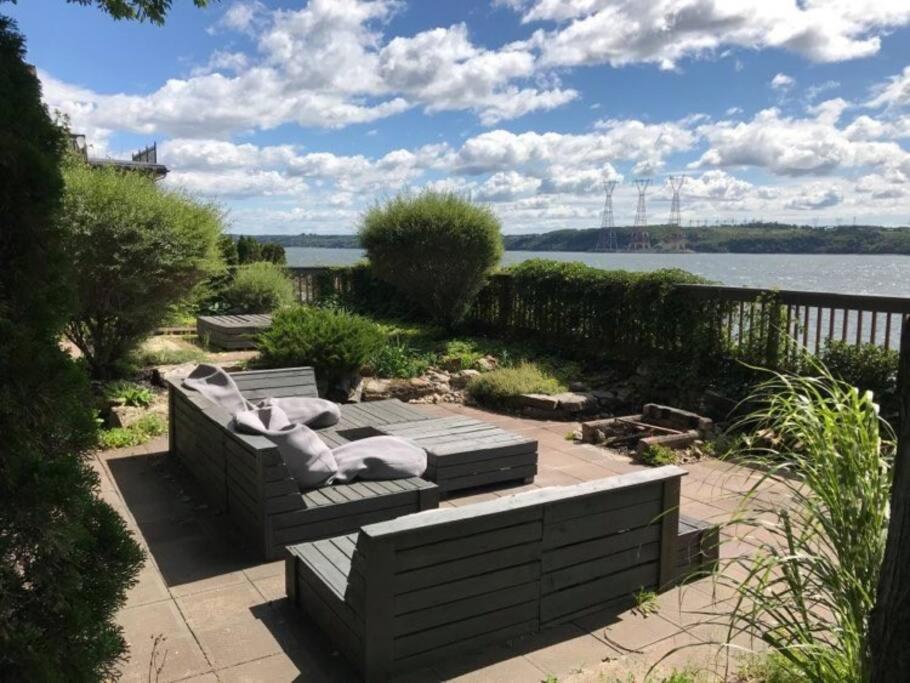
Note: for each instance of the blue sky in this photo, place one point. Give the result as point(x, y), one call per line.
point(296, 116)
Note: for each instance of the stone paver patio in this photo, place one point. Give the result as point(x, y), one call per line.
point(220, 615)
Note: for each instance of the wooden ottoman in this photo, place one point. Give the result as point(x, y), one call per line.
point(232, 331)
point(463, 452)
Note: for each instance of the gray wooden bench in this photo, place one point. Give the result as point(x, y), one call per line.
point(232, 331)
point(245, 476)
point(402, 594)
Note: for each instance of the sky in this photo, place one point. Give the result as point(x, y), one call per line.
point(298, 116)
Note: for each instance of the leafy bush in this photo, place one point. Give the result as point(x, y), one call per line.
point(258, 288)
point(397, 359)
point(436, 249)
point(657, 455)
point(336, 343)
point(498, 388)
point(136, 250)
point(867, 366)
point(809, 589)
point(66, 557)
point(129, 393)
point(145, 428)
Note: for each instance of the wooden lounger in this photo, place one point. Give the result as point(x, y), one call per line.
point(245, 476)
point(402, 594)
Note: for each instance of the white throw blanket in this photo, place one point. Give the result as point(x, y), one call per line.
point(284, 422)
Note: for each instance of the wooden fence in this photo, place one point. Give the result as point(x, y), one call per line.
point(756, 321)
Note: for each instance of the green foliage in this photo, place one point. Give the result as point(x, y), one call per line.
point(498, 388)
point(436, 249)
point(657, 455)
point(251, 250)
point(144, 358)
point(142, 430)
point(136, 250)
point(396, 358)
point(153, 11)
point(336, 343)
point(129, 393)
point(766, 668)
point(868, 366)
point(228, 250)
point(66, 557)
point(811, 586)
point(646, 602)
point(259, 287)
point(588, 310)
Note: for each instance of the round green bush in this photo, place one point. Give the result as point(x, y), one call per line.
point(435, 249)
point(499, 388)
point(336, 343)
point(260, 287)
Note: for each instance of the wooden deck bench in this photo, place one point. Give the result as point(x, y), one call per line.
point(402, 594)
point(232, 331)
point(245, 476)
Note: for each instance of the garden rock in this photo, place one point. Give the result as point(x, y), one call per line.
point(461, 379)
point(123, 416)
point(539, 402)
point(403, 389)
point(576, 402)
point(487, 363)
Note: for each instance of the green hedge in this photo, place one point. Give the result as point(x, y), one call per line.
point(571, 306)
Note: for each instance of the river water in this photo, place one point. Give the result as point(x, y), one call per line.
point(846, 274)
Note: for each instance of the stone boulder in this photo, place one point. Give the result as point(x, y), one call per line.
point(462, 378)
point(375, 389)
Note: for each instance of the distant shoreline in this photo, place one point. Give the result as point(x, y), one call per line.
point(770, 238)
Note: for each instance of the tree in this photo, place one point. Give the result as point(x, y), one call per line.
point(436, 249)
point(273, 253)
point(136, 250)
point(248, 250)
point(889, 625)
point(153, 11)
point(66, 557)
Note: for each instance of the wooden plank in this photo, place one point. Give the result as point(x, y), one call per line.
point(588, 597)
point(470, 565)
point(378, 606)
point(602, 524)
point(480, 543)
point(343, 524)
point(669, 529)
point(602, 566)
point(601, 546)
point(459, 631)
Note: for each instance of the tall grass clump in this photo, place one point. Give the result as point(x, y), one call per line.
point(819, 518)
point(501, 387)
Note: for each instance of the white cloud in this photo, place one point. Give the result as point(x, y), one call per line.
point(814, 197)
point(782, 82)
point(621, 32)
point(894, 93)
point(790, 146)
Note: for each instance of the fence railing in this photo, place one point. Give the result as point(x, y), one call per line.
point(810, 318)
point(752, 320)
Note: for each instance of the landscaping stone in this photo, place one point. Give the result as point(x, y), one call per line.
point(460, 379)
point(675, 418)
point(674, 441)
point(487, 363)
point(161, 374)
point(579, 386)
point(403, 389)
point(539, 402)
point(576, 402)
point(123, 416)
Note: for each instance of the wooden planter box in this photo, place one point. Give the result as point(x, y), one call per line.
point(232, 331)
point(245, 476)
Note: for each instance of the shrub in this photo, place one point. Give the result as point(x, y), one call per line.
point(436, 249)
point(498, 388)
point(657, 455)
point(336, 343)
point(66, 557)
point(396, 358)
point(145, 428)
point(136, 250)
point(867, 366)
point(129, 393)
point(258, 288)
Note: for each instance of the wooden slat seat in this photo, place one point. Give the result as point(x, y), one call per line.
point(232, 331)
point(406, 592)
point(245, 476)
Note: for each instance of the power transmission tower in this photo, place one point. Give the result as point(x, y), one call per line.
point(640, 239)
point(606, 240)
point(676, 240)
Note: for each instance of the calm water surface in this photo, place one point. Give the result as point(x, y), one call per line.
point(849, 274)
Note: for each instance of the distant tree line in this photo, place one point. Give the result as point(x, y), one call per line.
point(249, 250)
point(754, 238)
